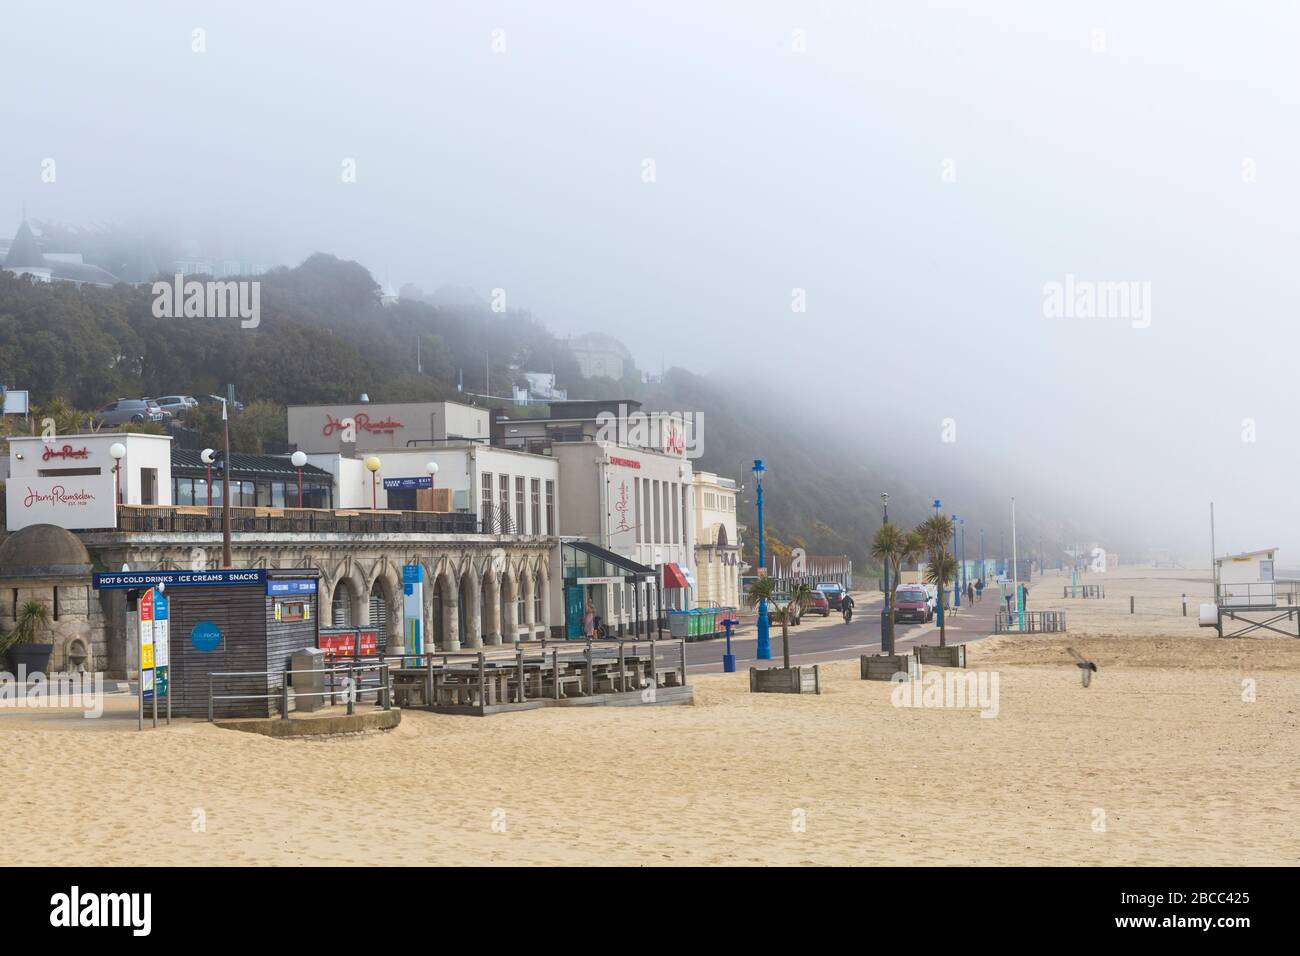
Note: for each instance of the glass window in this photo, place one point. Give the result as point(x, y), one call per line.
point(535, 490)
point(503, 503)
point(278, 493)
point(537, 599)
point(485, 510)
point(519, 505)
point(550, 507)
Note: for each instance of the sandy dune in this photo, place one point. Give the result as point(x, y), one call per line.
point(1163, 747)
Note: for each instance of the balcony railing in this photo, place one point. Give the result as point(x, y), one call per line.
point(182, 518)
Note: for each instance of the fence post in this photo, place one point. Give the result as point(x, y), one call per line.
point(683, 649)
point(428, 681)
point(352, 688)
point(591, 676)
point(482, 680)
point(519, 656)
point(209, 697)
point(388, 690)
point(555, 671)
point(622, 669)
point(284, 696)
point(1130, 604)
point(1184, 605)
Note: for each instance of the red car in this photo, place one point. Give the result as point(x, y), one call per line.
point(911, 603)
point(818, 604)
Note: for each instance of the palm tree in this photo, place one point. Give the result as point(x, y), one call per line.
point(898, 547)
point(800, 593)
point(941, 569)
point(32, 616)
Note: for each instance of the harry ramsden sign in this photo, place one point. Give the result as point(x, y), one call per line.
point(67, 451)
point(362, 422)
point(149, 579)
point(58, 495)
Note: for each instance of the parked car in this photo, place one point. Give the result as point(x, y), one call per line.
point(819, 603)
point(129, 410)
point(932, 592)
point(162, 413)
point(834, 594)
point(178, 405)
point(218, 400)
point(911, 603)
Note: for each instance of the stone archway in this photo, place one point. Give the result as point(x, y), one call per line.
point(344, 605)
point(509, 597)
point(444, 611)
point(471, 603)
point(490, 605)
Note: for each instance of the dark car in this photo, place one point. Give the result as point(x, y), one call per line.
point(911, 603)
point(834, 594)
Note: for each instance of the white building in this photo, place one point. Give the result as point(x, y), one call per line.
point(718, 565)
point(401, 426)
point(69, 481)
point(511, 492)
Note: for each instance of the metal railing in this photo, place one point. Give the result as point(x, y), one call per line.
point(1035, 622)
point(1083, 591)
point(352, 690)
point(1255, 594)
point(197, 518)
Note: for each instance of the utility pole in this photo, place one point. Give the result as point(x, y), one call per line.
point(226, 559)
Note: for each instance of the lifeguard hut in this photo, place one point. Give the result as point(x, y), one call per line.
point(1245, 594)
point(1246, 579)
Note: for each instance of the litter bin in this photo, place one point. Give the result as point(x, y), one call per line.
point(679, 624)
point(884, 632)
point(305, 669)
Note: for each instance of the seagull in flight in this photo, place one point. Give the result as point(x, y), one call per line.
point(1086, 668)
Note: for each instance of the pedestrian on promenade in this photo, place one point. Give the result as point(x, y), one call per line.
point(979, 590)
point(589, 620)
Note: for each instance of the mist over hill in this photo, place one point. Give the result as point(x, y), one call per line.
point(325, 336)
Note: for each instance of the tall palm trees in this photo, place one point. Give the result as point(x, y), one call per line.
point(936, 532)
point(898, 547)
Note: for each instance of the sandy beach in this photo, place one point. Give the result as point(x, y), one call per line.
point(1166, 759)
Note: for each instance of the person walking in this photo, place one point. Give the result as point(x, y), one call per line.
point(979, 590)
point(970, 592)
point(589, 621)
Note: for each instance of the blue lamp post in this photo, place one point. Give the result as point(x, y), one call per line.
point(938, 590)
point(956, 578)
point(965, 579)
point(764, 641)
point(983, 576)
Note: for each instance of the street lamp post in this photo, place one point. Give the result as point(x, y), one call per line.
point(298, 459)
point(118, 451)
point(372, 465)
point(887, 632)
point(964, 578)
point(432, 469)
point(227, 560)
point(764, 651)
point(207, 456)
point(956, 578)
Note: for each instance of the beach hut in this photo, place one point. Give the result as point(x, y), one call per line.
point(1246, 579)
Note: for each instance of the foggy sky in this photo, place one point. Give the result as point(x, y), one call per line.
point(776, 169)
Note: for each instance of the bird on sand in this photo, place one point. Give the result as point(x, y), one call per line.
point(1086, 668)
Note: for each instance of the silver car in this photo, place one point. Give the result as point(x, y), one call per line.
point(124, 411)
point(178, 405)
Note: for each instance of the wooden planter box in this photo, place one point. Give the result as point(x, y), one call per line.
point(885, 666)
point(779, 680)
point(954, 655)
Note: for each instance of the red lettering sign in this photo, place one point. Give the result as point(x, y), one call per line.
point(625, 462)
point(67, 451)
point(362, 422)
